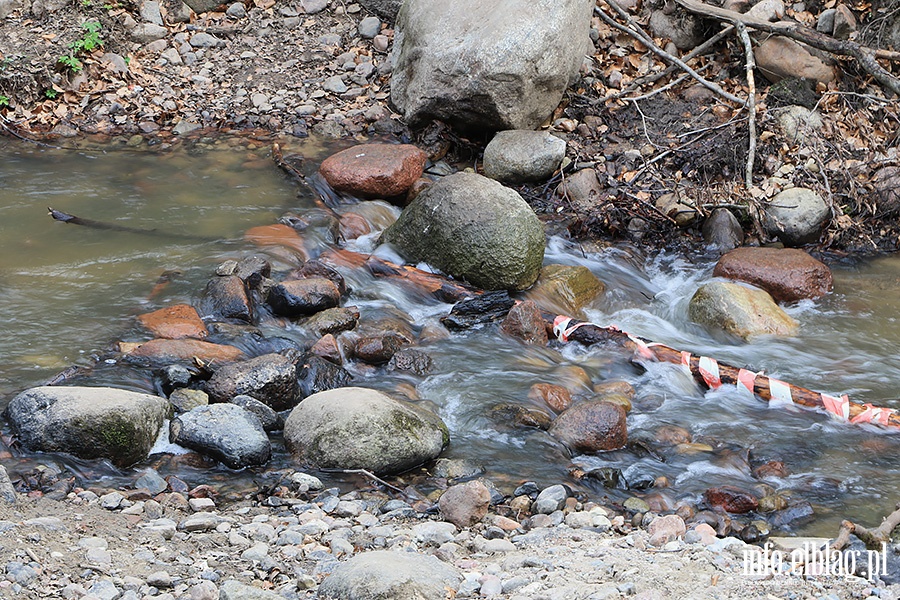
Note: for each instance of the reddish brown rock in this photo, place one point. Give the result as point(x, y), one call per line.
point(353, 226)
point(591, 427)
point(673, 435)
point(226, 299)
point(314, 268)
point(731, 499)
point(524, 321)
point(417, 188)
point(279, 235)
point(465, 504)
point(327, 348)
point(374, 170)
point(773, 468)
point(614, 386)
point(377, 349)
point(299, 297)
point(163, 350)
point(788, 274)
point(555, 396)
point(778, 57)
point(174, 322)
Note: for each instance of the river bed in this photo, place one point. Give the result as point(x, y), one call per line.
point(68, 293)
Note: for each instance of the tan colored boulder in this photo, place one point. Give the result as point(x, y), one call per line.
point(778, 58)
point(788, 274)
point(739, 310)
point(163, 350)
point(565, 290)
point(174, 322)
point(465, 504)
point(374, 170)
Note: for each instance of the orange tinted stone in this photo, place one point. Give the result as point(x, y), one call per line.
point(278, 234)
point(186, 349)
point(374, 170)
point(174, 322)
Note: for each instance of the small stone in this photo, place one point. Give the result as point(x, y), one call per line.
point(159, 579)
point(381, 42)
point(550, 500)
point(237, 10)
point(202, 504)
point(556, 397)
point(465, 504)
point(665, 529)
point(525, 322)
point(369, 27)
point(517, 156)
point(205, 40)
point(335, 85)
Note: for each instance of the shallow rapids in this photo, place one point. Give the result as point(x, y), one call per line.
point(68, 293)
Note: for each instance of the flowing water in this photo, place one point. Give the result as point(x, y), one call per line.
point(67, 293)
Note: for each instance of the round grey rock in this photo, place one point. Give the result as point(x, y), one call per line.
point(360, 428)
point(370, 27)
point(226, 432)
point(796, 216)
point(88, 422)
point(385, 574)
point(722, 230)
point(517, 156)
point(237, 10)
point(472, 228)
point(550, 500)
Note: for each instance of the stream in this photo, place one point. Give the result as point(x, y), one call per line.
point(68, 293)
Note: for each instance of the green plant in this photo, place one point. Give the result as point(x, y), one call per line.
point(51, 93)
point(4, 101)
point(89, 42)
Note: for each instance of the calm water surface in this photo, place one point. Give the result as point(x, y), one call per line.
point(67, 293)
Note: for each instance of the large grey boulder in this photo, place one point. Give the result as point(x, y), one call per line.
point(492, 65)
point(270, 378)
point(739, 310)
point(88, 422)
point(226, 432)
point(386, 574)
point(796, 216)
point(387, 9)
point(472, 228)
point(360, 428)
point(517, 156)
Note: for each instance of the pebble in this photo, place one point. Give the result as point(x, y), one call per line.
point(335, 85)
point(550, 499)
point(369, 27)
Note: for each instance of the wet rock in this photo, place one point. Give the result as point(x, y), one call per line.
point(225, 432)
point(472, 228)
point(268, 418)
point(184, 399)
point(411, 360)
point(88, 422)
point(614, 386)
point(582, 189)
point(797, 123)
point(486, 77)
point(787, 274)
point(359, 428)
point(456, 468)
point(300, 297)
point(518, 156)
point(617, 399)
point(353, 226)
point(277, 235)
point(174, 322)
point(377, 349)
point(555, 396)
point(722, 230)
point(516, 415)
point(771, 503)
point(796, 216)
point(550, 500)
point(374, 170)
point(778, 57)
point(224, 299)
point(312, 269)
point(478, 310)
point(271, 379)
point(887, 190)
point(793, 516)
point(673, 435)
point(253, 270)
point(317, 374)
point(524, 321)
point(610, 477)
point(465, 504)
point(773, 468)
point(731, 499)
point(592, 426)
point(565, 290)
point(386, 574)
point(333, 320)
point(327, 348)
point(665, 529)
point(739, 310)
point(162, 351)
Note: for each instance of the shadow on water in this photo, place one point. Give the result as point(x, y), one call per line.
point(67, 293)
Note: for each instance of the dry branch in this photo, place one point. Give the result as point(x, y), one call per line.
point(750, 65)
point(866, 57)
point(872, 538)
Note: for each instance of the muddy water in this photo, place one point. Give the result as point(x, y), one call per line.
point(68, 292)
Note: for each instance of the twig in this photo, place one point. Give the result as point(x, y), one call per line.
point(654, 77)
point(751, 102)
point(635, 31)
point(872, 538)
point(668, 86)
point(866, 57)
point(368, 474)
